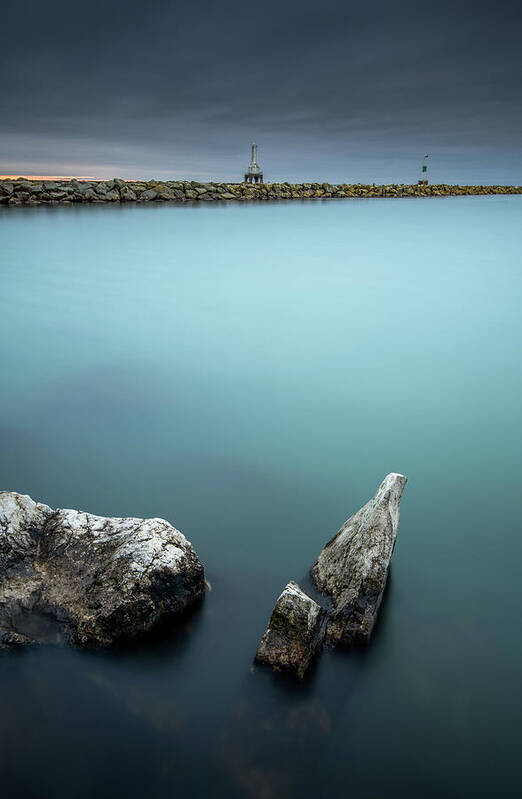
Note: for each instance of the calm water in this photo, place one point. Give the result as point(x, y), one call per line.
point(251, 373)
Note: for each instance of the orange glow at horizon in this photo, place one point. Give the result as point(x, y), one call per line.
point(49, 177)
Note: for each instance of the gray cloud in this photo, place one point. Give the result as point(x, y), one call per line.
point(331, 90)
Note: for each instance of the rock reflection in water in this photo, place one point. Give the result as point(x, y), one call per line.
point(276, 722)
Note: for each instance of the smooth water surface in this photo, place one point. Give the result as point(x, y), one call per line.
point(251, 373)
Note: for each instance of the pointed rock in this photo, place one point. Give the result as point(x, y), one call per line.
point(352, 569)
point(295, 632)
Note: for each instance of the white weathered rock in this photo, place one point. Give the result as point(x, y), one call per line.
point(96, 579)
point(352, 569)
point(295, 631)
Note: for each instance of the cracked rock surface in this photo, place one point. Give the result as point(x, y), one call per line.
point(352, 569)
point(295, 631)
point(87, 580)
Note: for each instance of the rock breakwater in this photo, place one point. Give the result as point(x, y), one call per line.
point(32, 192)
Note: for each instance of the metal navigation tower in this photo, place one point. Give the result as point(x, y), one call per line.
point(254, 173)
point(424, 171)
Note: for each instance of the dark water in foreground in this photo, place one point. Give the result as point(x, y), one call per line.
point(251, 373)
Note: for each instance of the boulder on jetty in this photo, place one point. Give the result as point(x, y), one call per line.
point(295, 632)
point(87, 580)
point(352, 569)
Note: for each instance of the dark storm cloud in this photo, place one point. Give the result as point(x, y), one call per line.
point(332, 90)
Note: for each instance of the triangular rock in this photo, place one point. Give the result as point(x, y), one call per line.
point(352, 569)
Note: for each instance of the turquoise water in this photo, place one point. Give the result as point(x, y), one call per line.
point(251, 373)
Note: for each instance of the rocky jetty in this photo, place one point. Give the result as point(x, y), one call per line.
point(352, 569)
point(23, 191)
point(295, 632)
point(86, 580)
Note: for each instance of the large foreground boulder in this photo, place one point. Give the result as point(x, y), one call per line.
point(295, 632)
point(88, 580)
point(352, 569)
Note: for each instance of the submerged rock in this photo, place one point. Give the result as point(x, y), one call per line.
point(295, 631)
point(88, 580)
point(352, 569)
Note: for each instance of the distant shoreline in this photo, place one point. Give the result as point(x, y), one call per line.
point(72, 190)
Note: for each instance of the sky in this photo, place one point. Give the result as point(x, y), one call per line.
point(330, 90)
